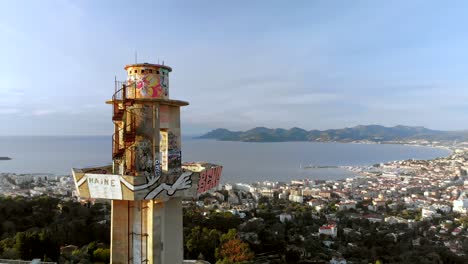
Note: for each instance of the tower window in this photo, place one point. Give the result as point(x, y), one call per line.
point(150, 71)
point(142, 71)
point(157, 72)
point(135, 71)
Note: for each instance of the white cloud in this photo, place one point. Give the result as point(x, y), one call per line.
point(8, 111)
point(310, 98)
point(42, 112)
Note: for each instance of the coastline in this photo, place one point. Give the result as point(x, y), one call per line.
point(364, 142)
point(363, 169)
point(451, 150)
point(354, 169)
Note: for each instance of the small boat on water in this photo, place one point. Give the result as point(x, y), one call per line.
point(5, 158)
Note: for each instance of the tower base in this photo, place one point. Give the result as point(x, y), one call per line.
point(139, 227)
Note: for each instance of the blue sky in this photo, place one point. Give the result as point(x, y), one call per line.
point(240, 64)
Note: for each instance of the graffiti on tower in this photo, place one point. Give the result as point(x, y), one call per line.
point(174, 158)
point(149, 82)
point(164, 81)
point(188, 181)
point(147, 178)
point(145, 164)
point(209, 179)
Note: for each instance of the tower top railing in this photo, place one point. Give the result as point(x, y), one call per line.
point(123, 90)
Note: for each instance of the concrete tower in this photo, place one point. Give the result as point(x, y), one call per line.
point(147, 180)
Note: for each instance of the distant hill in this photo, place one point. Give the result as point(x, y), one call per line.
point(374, 133)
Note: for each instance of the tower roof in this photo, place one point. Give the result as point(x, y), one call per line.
point(148, 65)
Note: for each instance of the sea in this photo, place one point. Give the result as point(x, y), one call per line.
point(242, 161)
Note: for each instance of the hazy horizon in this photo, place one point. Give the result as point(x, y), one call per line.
point(191, 135)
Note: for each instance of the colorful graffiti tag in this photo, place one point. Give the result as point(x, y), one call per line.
point(209, 179)
point(174, 158)
point(149, 86)
point(150, 83)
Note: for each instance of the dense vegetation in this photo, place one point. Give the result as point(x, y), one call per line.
point(370, 133)
point(38, 227)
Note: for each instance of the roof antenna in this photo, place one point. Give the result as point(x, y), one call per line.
point(136, 57)
point(163, 62)
point(158, 60)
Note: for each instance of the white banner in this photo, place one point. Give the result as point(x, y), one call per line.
point(105, 186)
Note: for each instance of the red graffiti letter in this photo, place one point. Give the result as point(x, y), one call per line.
point(201, 182)
point(209, 177)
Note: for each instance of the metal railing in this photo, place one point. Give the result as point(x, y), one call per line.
point(123, 139)
point(116, 145)
point(124, 90)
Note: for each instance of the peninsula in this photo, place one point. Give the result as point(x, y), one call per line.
point(357, 134)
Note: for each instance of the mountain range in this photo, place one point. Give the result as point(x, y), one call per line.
point(373, 133)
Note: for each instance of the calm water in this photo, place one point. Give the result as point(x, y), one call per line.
point(243, 162)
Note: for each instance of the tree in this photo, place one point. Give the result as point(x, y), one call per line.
point(22, 246)
point(231, 234)
point(30, 245)
point(234, 251)
point(101, 255)
point(204, 241)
